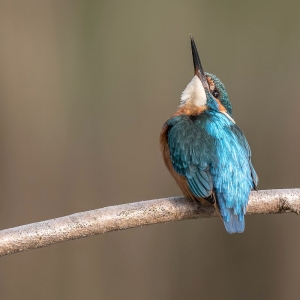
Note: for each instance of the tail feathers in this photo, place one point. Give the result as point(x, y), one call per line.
point(235, 224)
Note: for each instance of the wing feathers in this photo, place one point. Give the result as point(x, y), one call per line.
point(180, 180)
point(189, 154)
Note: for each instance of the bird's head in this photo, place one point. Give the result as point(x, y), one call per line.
point(205, 90)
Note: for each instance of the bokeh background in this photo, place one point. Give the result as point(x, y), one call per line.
point(85, 87)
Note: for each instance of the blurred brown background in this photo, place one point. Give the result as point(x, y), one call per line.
point(85, 87)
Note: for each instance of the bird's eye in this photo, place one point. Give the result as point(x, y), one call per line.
point(215, 93)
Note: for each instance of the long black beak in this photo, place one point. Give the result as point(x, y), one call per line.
point(197, 64)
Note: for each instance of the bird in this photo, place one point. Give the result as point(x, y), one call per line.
point(206, 152)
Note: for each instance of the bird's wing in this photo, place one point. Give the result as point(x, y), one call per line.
point(191, 153)
point(243, 142)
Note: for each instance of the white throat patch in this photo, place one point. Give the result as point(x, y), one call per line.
point(194, 93)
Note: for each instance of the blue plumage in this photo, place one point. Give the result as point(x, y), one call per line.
point(212, 153)
point(206, 152)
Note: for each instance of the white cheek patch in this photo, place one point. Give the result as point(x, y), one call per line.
point(194, 93)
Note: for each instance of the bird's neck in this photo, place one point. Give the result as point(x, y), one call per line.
point(190, 109)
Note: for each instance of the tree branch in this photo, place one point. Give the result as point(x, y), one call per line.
point(112, 218)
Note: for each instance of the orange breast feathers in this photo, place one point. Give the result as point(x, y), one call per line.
point(190, 109)
point(180, 180)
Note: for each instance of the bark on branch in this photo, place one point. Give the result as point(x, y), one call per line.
point(112, 218)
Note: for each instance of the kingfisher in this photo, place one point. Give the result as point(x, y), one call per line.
point(206, 152)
